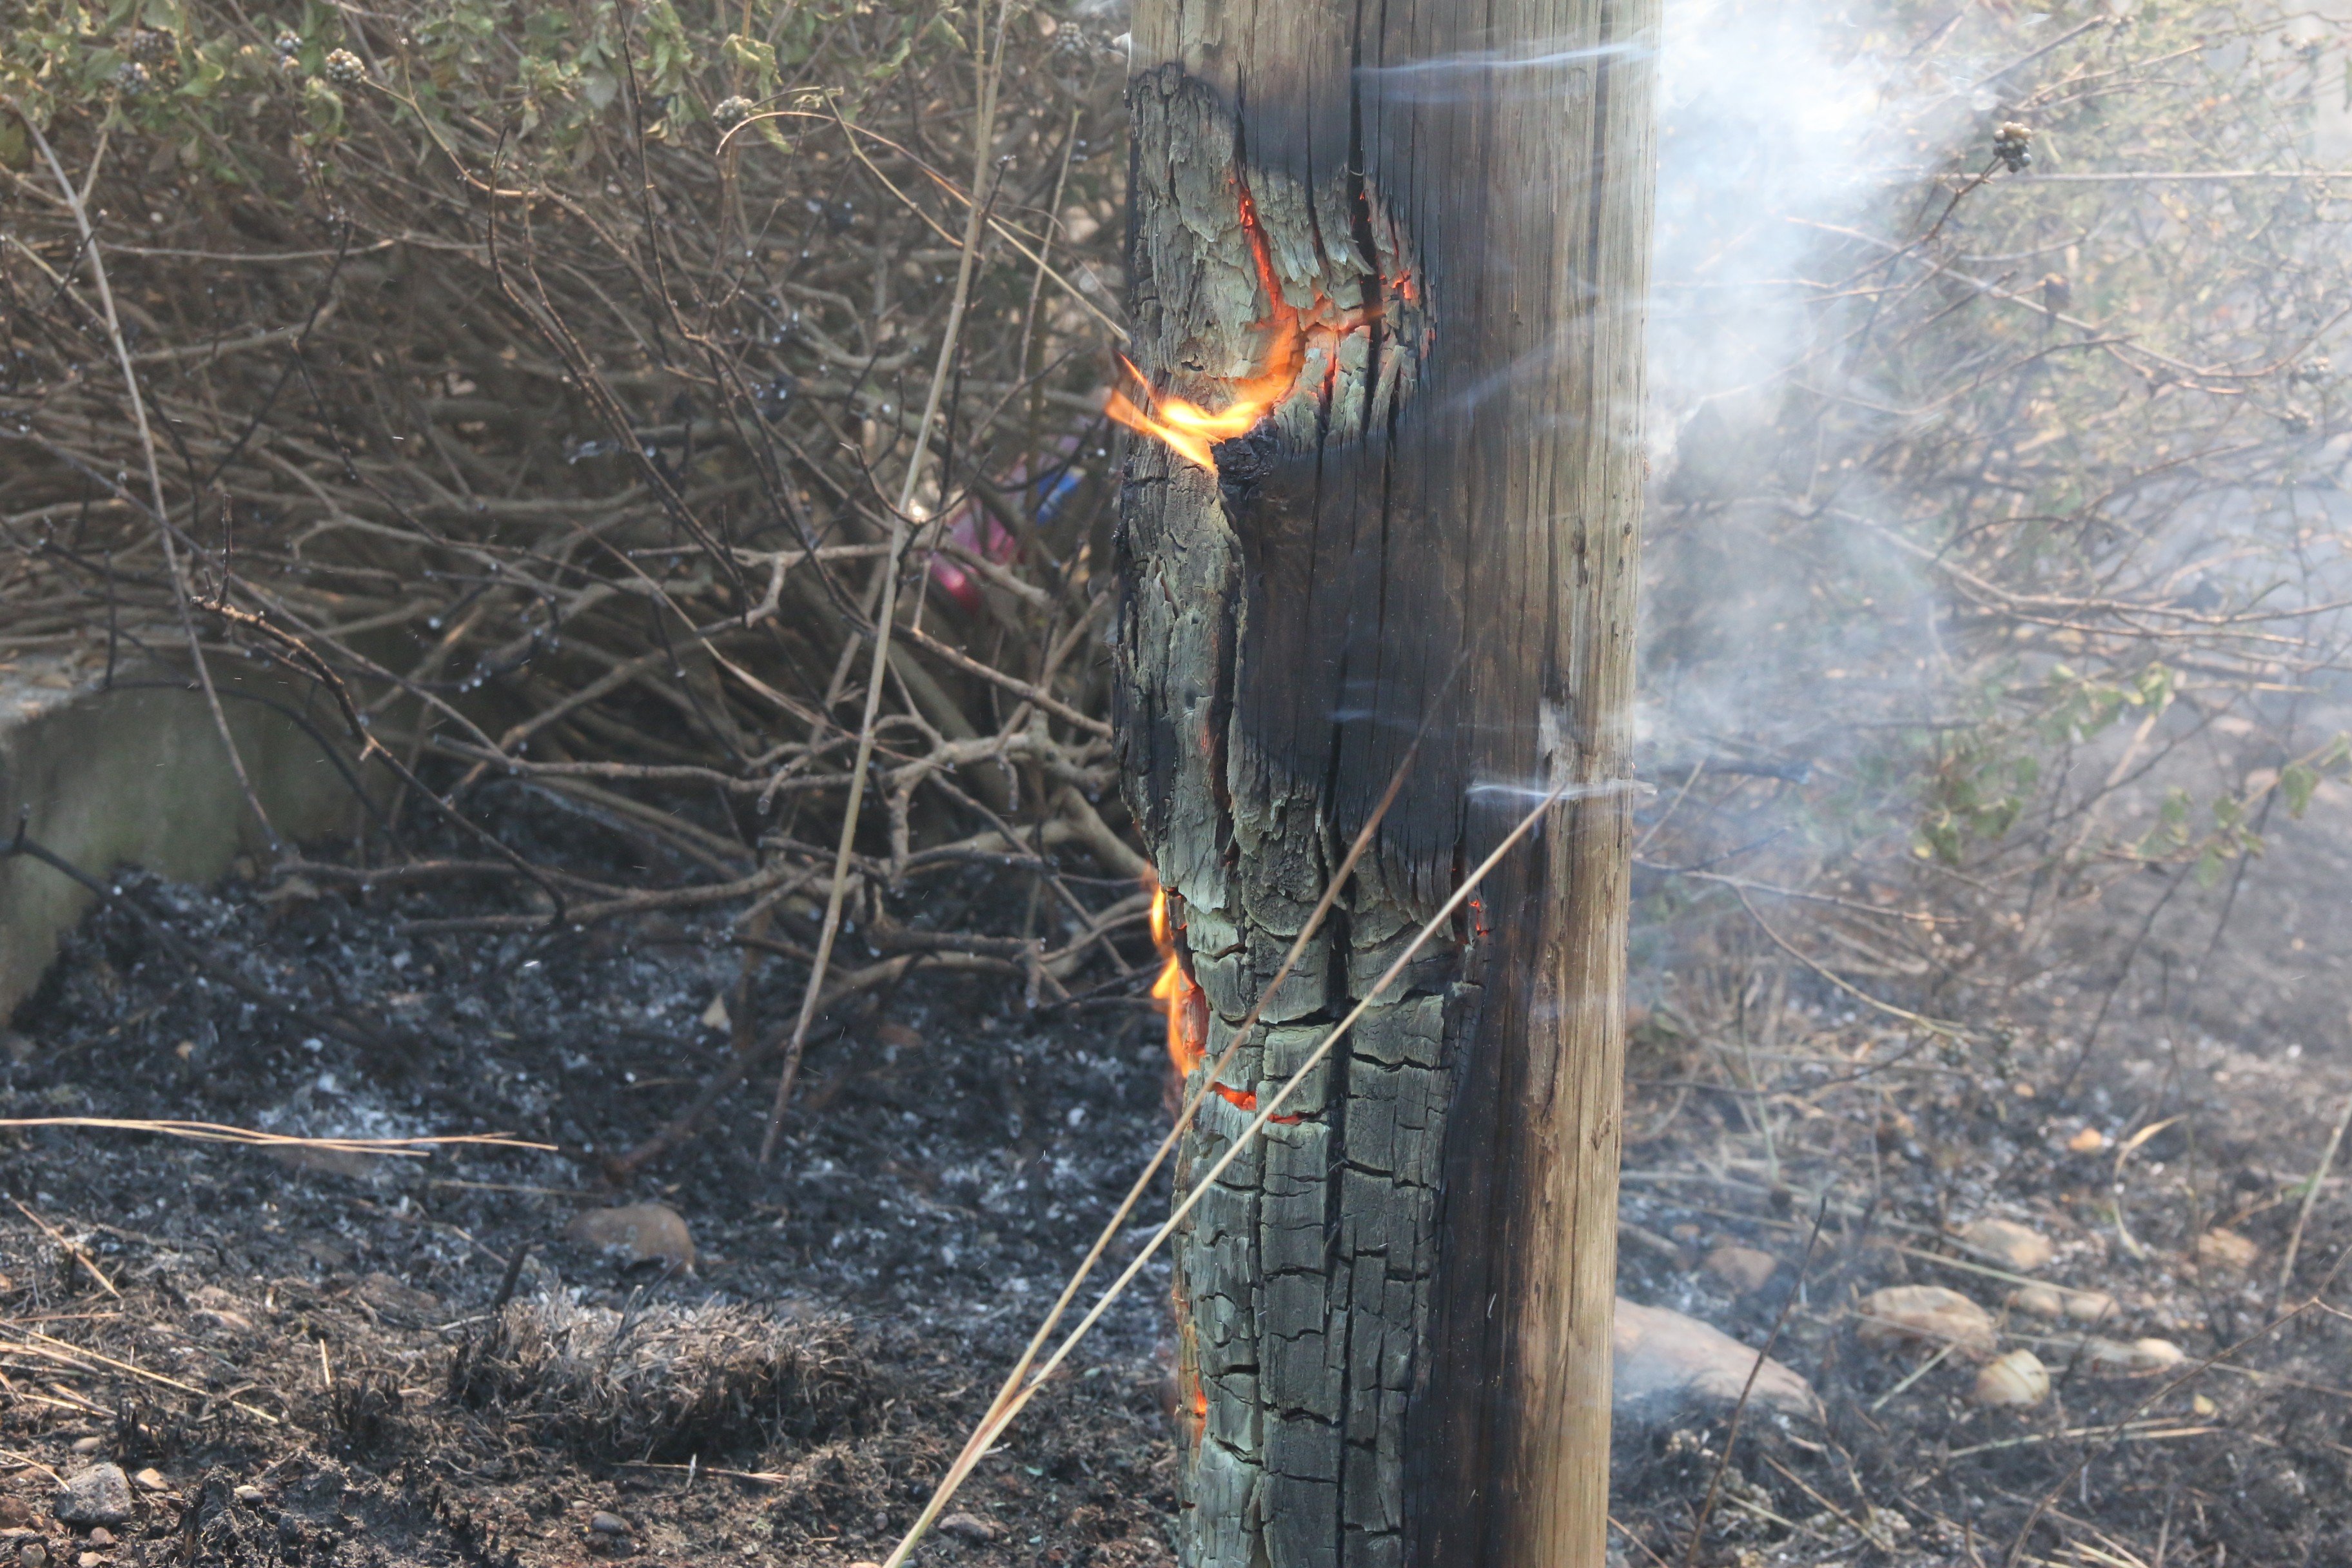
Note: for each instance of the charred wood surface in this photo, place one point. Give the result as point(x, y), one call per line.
point(1388, 265)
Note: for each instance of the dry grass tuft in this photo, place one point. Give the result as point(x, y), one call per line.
point(662, 1383)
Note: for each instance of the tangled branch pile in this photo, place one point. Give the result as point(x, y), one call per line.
point(563, 395)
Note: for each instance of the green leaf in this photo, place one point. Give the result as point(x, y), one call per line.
point(756, 59)
point(2296, 782)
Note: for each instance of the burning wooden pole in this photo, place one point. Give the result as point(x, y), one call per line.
point(1388, 268)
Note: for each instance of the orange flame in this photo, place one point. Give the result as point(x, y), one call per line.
point(1159, 913)
point(1174, 989)
point(1191, 430)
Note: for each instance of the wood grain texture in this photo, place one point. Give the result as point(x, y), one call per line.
point(1397, 1309)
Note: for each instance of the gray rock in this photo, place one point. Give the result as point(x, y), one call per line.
point(98, 1495)
point(608, 1523)
point(968, 1527)
point(1666, 1362)
point(636, 1232)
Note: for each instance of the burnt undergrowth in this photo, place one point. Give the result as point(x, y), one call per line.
point(325, 1313)
point(1995, 687)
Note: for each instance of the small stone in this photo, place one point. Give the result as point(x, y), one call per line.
point(88, 1445)
point(100, 1495)
point(101, 1536)
point(637, 1233)
point(1742, 1267)
point(91, 1560)
point(2057, 1301)
point(2091, 1306)
point(2089, 1141)
point(969, 1527)
point(2038, 1300)
point(1929, 1312)
point(33, 1555)
point(396, 1299)
point(1665, 1360)
point(604, 1523)
point(2138, 1359)
point(2017, 1380)
point(150, 1480)
point(2226, 1249)
point(249, 1495)
point(2015, 1247)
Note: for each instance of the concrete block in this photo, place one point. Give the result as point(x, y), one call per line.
point(135, 775)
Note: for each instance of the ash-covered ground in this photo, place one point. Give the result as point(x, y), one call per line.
point(950, 1157)
point(296, 1359)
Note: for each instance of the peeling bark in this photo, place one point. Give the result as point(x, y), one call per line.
point(1425, 241)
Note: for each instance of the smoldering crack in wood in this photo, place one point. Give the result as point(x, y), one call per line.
point(1303, 1282)
point(1305, 1278)
point(1434, 546)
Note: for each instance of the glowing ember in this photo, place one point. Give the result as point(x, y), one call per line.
point(1191, 430)
point(1159, 915)
point(1242, 1099)
point(1187, 1013)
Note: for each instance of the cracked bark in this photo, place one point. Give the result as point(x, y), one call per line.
point(1395, 1313)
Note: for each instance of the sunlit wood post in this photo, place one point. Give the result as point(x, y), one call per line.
point(1388, 266)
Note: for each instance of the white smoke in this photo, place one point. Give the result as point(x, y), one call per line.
point(1778, 123)
point(1783, 131)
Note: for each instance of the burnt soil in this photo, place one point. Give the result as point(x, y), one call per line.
point(951, 1156)
point(321, 1378)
